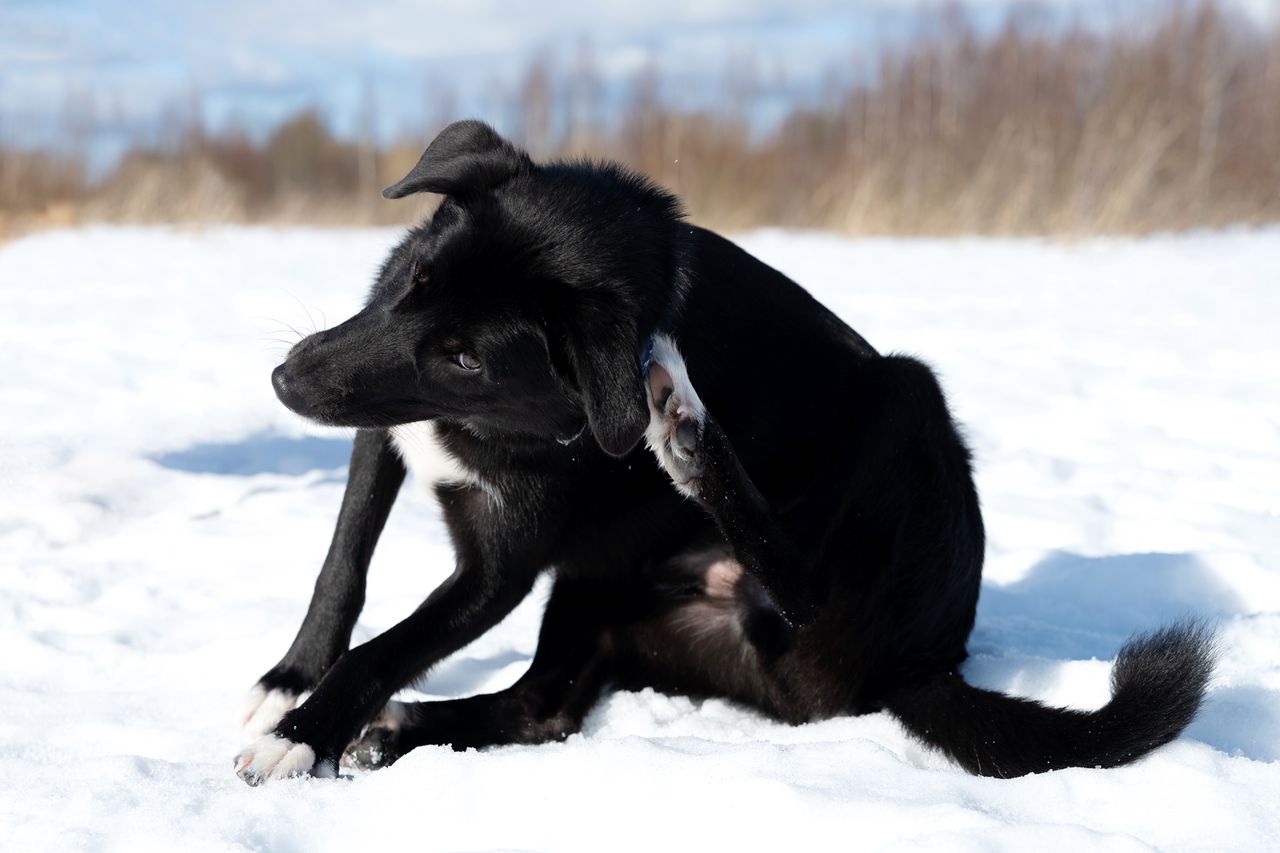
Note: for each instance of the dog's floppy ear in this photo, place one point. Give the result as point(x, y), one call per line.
point(606, 361)
point(467, 156)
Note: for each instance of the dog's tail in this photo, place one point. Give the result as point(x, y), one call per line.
point(1156, 688)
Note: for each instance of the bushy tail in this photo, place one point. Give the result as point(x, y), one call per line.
point(1156, 687)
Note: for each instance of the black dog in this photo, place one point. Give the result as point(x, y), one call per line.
point(820, 551)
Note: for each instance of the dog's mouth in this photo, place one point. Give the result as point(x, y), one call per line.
point(339, 409)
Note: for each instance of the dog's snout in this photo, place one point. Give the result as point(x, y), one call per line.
point(308, 341)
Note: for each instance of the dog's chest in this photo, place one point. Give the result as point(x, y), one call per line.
point(424, 455)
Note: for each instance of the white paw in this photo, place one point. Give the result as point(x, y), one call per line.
point(676, 416)
point(271, 758)
point(264, 708)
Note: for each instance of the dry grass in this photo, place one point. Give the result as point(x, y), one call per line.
point(1025, 133)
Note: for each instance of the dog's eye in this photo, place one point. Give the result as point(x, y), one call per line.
point(467, 361)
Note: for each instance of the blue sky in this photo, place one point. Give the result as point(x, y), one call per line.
point(254, 61)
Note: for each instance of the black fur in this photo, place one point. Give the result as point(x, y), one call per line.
point(833, 475)
point(1156, 687)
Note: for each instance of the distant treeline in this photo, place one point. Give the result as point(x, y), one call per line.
point(1168, 125)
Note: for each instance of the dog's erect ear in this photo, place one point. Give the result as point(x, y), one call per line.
point(607, 363)
point(467, 156)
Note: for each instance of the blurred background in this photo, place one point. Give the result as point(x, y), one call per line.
point(1058, 117)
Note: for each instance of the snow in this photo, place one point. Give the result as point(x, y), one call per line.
point(162, 519)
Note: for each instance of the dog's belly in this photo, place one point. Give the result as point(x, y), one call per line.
point(424, 455)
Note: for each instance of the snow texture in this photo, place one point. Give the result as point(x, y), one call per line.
point(162, 519)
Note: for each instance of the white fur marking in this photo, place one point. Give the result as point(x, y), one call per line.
point(687, 405)
point(264, 709)
point(271, 758)
point(426, 458)
point(424, 455)
point(668, 355)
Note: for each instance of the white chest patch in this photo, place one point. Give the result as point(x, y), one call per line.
point(425, 456)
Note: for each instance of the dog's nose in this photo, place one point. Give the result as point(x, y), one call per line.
point(287, 390)
point(280, 381)
point(292, 392)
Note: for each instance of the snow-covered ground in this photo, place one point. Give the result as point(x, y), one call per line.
point(162, 518)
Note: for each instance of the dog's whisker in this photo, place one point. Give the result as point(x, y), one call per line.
point(307, 311)
point(286, 327)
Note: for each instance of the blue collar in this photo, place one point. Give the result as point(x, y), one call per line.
point(646, 357)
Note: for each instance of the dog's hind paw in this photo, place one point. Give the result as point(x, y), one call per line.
point(677, 417)
point(379, 743)
point(272, 757)
point(379, 746)
point(265, 707)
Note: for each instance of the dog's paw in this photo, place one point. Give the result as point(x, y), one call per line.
point(265, 707)
point(379, 746)
point(677, 417)
point(272, 757)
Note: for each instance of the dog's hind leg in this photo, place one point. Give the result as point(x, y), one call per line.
point(711, 634)
point(696, 453)
point(564, 680)
point(375, 476)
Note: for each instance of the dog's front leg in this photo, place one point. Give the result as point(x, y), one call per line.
point(373, 481)
point(696, 453)
point(312, 737)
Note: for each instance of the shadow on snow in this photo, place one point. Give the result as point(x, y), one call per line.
point(1071, 607)
point(264, 452)
point(1068, 607)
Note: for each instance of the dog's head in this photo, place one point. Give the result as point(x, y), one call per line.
point(522, 307)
